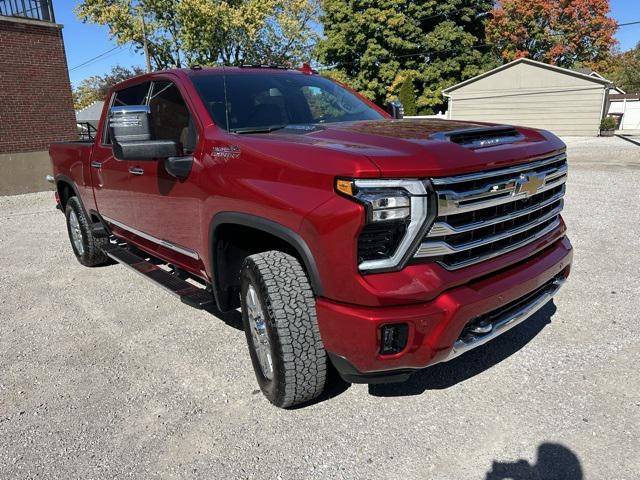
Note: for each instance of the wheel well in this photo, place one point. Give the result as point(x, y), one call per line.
point(232, 244)
point(65, 192)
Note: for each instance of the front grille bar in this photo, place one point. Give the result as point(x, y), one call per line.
point(496, 173)
point(496, 253)
point(434, 249)
point(487, 214)
point(493, 194)
point(440, 229)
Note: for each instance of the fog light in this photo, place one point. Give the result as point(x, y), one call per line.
point(393, 338)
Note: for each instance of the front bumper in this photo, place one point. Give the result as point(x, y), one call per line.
point(351, 334)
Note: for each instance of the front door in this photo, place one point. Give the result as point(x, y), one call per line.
point(168, 209)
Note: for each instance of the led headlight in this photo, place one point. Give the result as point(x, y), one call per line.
point(396, 214)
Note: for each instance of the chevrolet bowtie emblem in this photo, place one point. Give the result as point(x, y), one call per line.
point(529, 184)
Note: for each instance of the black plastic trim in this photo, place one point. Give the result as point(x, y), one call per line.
point(179, 167)
point(268, 226)
point(188, 293)
point(350, 374)
point(145, 150)
point(72, 184)
point(101, 226)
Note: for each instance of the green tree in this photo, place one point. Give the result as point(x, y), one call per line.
point(559, 32)
point(183, 32)
point(623, 69)
point(124, 18)
point(407, 97)
point(249, 31)
point(95, 88)
point(378, 44)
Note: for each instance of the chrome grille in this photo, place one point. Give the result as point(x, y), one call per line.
point(483, 215)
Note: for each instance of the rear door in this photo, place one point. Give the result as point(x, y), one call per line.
point(111, 177)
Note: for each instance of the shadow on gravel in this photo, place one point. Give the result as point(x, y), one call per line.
point(445, 375)
point(335, 385)
point(232, 318)
point(554, 462)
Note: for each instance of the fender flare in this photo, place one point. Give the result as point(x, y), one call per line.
point(72, 184)
point(267, 226)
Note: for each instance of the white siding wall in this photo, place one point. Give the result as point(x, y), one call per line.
point(532, 96)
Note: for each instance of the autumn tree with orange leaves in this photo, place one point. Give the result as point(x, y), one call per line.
point(559, 32)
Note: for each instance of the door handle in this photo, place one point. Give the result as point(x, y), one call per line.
point(136, 170)
point(95, 164)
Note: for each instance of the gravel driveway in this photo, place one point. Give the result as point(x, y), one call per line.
point(103, 375)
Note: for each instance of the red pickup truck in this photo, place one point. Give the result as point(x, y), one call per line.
point(346, 235)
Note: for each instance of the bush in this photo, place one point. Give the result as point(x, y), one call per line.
point(407, 97)
point(608, 123)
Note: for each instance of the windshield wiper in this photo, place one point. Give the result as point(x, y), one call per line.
point(267, 129)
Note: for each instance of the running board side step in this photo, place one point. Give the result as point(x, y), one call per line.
point(188, 293)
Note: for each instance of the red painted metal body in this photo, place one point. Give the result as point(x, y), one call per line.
point(289, 179)
point(352, 331)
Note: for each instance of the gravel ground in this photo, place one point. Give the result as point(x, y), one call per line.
point(105, 376)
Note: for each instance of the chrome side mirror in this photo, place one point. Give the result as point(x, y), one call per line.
point(130, 123)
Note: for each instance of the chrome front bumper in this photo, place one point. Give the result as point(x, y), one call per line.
point(506, 322)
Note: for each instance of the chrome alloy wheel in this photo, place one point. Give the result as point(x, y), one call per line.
point(259, 335)
point(76, 233)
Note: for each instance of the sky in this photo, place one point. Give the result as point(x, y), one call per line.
point(85, 41)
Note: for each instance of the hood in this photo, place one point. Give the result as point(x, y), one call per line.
point(426, 147)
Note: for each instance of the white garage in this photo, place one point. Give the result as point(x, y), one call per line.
point(534, 94)
point(626, 108)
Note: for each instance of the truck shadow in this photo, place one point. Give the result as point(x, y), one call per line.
point(335, 385)
point(232, 318)
point(554, 462)
point(445, 375)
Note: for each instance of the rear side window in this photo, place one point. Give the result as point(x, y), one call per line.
point(136, 95)
point(170, 117)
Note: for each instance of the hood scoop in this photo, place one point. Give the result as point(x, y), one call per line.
point(482, 137)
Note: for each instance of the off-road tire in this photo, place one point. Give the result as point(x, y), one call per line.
point(298, 355)
point(92, 254)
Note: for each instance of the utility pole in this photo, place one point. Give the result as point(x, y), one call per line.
point(144, 44)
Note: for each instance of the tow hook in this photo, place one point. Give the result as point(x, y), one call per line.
point(481, 328)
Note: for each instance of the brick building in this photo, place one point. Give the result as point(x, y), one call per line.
point(36, 105)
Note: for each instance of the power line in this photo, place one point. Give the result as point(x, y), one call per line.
point(628, 23)
point(97, 57)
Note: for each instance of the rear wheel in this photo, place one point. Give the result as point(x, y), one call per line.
point(279, 316)
point(86, 246)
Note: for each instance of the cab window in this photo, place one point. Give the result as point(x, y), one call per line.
point(170, 117)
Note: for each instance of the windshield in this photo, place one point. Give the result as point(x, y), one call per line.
point(263, 102)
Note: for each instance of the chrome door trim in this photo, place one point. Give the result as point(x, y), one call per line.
point(165, 243)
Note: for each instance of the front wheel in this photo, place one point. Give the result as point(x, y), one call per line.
point(279, 317)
